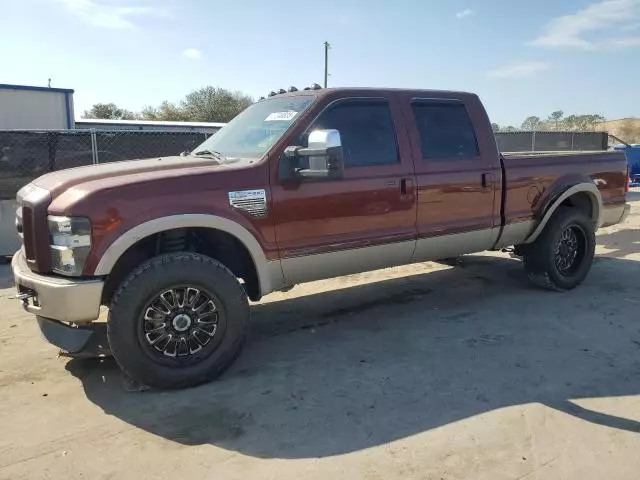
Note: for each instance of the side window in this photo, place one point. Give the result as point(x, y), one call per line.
point(445, 130)
point(366, 130)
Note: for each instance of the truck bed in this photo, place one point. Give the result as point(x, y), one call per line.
point(533, 177)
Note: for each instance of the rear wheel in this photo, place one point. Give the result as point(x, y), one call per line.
point(561, 257)
point(177, 320)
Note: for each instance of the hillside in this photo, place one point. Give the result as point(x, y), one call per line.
point(627, 129)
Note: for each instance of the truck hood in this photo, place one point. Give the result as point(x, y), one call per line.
point(119, 172)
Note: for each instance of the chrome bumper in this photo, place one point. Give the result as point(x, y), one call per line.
point(62, 299)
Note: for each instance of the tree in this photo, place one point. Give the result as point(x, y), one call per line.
point(208, 104)
point(495, 127)
point(510, 128)
point(582, 123)
point(167, 111)
point(556, 117)
point(211, 104)
point(531, 123)
point(109, 111)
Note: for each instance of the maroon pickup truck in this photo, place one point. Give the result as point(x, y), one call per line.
point(299, 187)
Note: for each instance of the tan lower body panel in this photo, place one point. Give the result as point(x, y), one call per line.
point(613, 214)
point(444, 246)
point(345, 262)
point(515, 233)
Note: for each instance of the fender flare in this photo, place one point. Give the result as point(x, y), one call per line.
point(269, 273)
point(596, 203)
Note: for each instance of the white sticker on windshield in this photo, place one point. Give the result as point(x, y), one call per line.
point(281, 116)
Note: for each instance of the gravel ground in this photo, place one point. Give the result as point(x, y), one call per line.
point(426, 371)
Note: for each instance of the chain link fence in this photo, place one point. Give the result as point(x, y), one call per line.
point(26, 155)
point(521, 141)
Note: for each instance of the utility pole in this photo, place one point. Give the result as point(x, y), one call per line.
point(327, 46)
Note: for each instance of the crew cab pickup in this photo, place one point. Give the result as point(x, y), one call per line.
point(299, 187)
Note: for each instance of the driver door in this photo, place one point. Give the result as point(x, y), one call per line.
point(363, 221)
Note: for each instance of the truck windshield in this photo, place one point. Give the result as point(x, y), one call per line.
point(255, 130)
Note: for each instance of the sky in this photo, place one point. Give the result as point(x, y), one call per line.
point(521, 57)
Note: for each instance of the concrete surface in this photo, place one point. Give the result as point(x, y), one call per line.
point(9, 239)
point(427, 371)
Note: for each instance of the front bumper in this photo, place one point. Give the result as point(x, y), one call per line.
point(57, 298)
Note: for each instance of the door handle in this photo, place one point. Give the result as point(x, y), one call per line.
point(406, 186)
point(486, 181)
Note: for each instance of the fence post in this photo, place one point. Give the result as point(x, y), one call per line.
point(572, 141)
point(52, 147)
point(94, 146)
point(533, 141)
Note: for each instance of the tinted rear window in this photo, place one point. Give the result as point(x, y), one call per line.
point(445, 130)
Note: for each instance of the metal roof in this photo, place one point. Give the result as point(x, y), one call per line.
point(6, 86)
point(149, 122)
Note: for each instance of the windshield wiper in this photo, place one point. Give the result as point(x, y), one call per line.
point(213, 153)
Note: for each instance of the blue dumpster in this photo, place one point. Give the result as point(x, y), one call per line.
point(632, 152)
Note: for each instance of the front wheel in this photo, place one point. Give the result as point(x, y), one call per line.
point(177, 320)
point(560, 258)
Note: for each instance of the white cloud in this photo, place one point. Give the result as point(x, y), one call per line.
point(464, 13)
point(598, 19)
point(625, 42)
point(519, 69)
point(192, 53)
point(113, 14)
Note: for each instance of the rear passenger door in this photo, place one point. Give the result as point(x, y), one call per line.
point(457, 186)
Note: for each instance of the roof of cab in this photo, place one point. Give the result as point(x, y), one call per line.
point(372, 91)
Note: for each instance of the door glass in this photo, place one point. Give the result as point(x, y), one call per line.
point(366, 130)
point(446, 131)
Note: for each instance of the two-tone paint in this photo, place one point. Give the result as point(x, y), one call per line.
point(373, 217)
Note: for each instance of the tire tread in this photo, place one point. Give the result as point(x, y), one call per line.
point(159, 263)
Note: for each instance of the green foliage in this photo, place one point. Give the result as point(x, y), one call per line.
point(165, 111)
point(211, 104)
point(531, 123)
point(208, 104)
point(109, 111)
point(555, 117)
point(557, 121)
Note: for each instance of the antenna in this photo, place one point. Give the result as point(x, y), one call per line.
point(327, 46)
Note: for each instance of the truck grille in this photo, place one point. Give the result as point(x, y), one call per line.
point(31, 224)
point(19, 224)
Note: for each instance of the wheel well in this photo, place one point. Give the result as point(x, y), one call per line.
point(582, 201)
point(216, 244)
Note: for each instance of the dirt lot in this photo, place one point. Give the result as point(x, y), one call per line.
point(427, 371)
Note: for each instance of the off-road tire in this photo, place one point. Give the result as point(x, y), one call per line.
point(151, 277)
point(539, 256)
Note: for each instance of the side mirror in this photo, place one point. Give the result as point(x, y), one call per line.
point(323, 155)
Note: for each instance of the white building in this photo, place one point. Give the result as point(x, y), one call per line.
point(23, 107)
point(148, 125)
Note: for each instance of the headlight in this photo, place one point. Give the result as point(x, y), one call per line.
point(70, 240)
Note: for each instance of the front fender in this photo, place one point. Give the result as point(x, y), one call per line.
point(270, 274)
